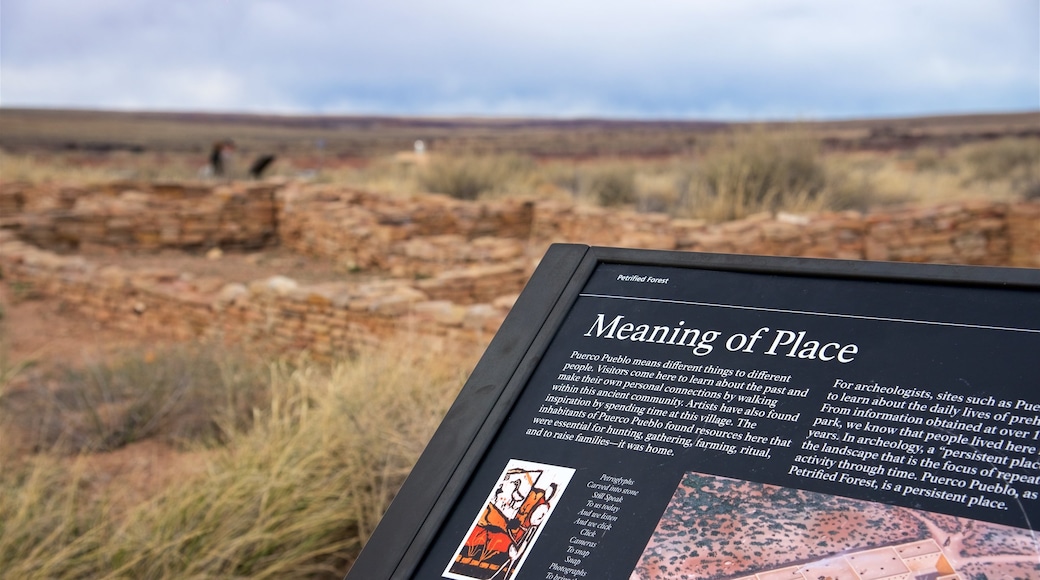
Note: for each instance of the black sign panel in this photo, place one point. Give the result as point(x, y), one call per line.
point(665, 415)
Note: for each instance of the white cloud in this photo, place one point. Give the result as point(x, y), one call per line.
point(582, 57)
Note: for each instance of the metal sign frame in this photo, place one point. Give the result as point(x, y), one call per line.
point(457, 448)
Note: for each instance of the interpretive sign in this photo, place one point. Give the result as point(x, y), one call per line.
point(665, 415)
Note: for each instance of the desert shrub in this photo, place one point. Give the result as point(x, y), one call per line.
point(1016, 161)
point(294, 496)
point(606, 182)
point(939, 159)
point(757, 171)
point(177, 394)
point(846, 191)
point(468, 176)
point(560, 176)
point(927, 159)
point(660, 191)
point(1003, 159)
point(612, 186)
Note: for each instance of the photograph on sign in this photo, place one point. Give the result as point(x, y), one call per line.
point(718, 527)
point(509, 522)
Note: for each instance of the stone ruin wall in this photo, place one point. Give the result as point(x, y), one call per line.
point(403, 236)
point(366, 231)
point(455, 267)
point(277, 312)
point(141, 216)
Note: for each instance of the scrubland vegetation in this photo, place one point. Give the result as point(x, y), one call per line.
point(726, 176)
point(297, 461)
point(735, 176)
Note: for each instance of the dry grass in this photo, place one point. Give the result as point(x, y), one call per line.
point(185, 394)
point(726, 175)
point(1005, 169)
point(733, 176)
point(294, 493)
point(41, 168)
point(757, 171)
point(86, 168)
point(468, 177)
point(1014, 161)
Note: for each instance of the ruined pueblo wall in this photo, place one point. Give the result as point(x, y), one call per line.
point(973, 232)
point(426, 235)
point(141, 216)
point(275, 313)
point(454, 267)
point(423, 236)
point(405, 236)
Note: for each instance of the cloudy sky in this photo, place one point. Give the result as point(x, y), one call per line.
point(683, 59)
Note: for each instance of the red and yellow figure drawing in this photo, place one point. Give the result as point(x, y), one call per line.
point(506, 528)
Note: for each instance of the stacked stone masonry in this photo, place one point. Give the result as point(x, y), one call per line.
point(141, 215)
point(276, 312)
point(449, 268)
point(354, 229)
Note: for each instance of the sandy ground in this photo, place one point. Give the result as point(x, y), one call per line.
point(39, 332)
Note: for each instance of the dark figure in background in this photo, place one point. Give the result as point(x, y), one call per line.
point(256, 170)
point(222, 150)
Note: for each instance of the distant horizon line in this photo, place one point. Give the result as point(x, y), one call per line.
point(509, 118)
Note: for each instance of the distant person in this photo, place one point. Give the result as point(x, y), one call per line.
point(256, 170)
point(219, 156)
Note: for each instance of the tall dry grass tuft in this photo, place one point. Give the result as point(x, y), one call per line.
point(49, 528)
point(757, 171)
point(605, 182)
point(1013, 160)
point(611, 185)
point(294, 495)
point(470, 176)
